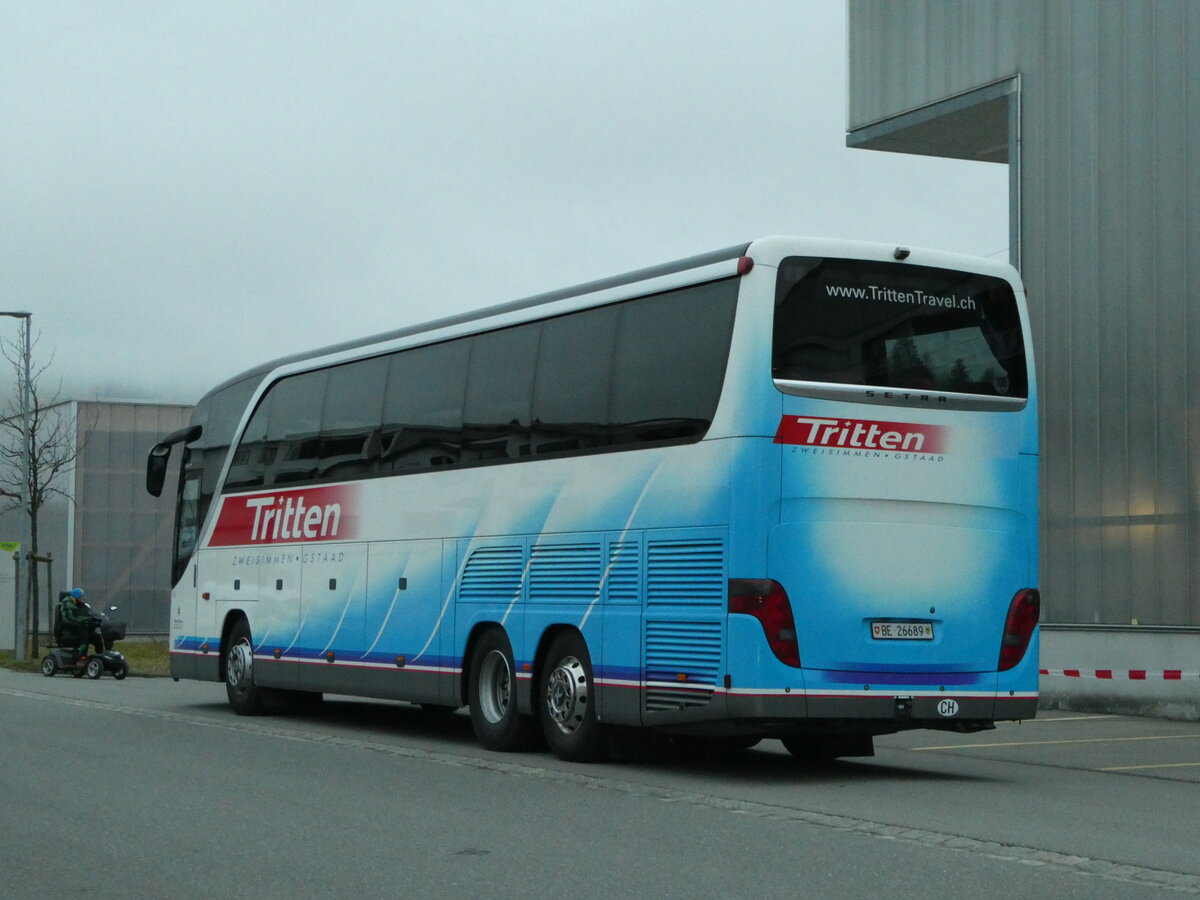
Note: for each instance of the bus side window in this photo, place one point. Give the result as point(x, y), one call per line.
point(423, 407)
point(573, 382)
point(248, 465)
point(670, 363)
point(350, 420)
point(496, 415)
point(220, 419)
point(189, 515)
point(294, 428)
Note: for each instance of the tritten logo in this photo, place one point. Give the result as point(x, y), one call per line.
point(299, 516)
point(861, 434)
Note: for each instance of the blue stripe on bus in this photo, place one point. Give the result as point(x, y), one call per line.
point(193, 643)
point(873, 675)
point(894, 677)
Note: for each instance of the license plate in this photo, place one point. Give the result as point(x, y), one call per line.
point(902, 631)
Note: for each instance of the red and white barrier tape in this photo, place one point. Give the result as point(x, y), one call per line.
point(1124, 674)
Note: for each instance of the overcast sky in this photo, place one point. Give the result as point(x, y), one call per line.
point(187, 189)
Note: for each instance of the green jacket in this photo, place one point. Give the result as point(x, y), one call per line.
point(72, 614)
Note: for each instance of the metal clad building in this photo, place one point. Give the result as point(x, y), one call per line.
point(103, 531)
point(121, 541)
point(1095, 106)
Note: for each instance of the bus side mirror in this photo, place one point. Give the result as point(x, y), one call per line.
point(160, 455)
point(156, 468)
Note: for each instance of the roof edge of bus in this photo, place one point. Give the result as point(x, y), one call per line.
point(771, 249)
point(772, 245)
point(669, 268)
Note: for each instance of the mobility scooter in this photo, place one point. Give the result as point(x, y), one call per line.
point(62, 657)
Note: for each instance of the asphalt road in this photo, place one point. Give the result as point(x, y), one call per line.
point(152, 789)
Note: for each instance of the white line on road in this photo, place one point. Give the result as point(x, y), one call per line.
point(1113, 740)
point(1046, 720)
point(1154, 766)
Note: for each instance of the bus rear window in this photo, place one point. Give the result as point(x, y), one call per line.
point(897, 326)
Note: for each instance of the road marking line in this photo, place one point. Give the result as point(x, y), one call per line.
point(1059, 719)
point(1155, 766)
point(1158, 737)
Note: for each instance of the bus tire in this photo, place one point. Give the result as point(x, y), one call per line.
point(492, 696)
point(245, 696)
point(567, 702)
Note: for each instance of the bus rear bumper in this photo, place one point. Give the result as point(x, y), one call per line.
point(949, 710)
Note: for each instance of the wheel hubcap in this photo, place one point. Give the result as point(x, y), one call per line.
point(495, 686)
point(567, 695)
point(239, 665)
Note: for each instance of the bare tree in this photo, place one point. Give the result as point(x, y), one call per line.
point(52, 442)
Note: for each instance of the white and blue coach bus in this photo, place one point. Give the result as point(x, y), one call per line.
point(787, 489)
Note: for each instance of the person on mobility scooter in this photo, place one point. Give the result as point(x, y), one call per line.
point(76, 619)
point(75, 628)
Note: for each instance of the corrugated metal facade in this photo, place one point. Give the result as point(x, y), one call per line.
point(1110, 225)
point(102, 530)
point(121, 535)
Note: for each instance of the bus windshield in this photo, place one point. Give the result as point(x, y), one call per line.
point(891, 325)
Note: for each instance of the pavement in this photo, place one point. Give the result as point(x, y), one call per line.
point(1121, 746)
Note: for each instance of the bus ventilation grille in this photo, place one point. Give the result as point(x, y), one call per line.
point(492, 573)
point(624, 562)
point(683, 660)
point(685, 573)
point(565, 572)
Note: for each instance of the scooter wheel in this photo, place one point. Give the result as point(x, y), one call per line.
point(121, 672)
point(49, 666)
point(94, 668)
point(77, 672)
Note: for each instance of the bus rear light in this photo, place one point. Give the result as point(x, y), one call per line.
point(745, 264)
point(1023, 615)
point(768, 602)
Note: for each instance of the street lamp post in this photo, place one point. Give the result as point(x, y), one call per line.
point(20, 605)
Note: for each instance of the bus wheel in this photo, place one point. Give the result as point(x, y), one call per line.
point(568, 702)
point(824, 747)
point(492, 695)
point(246, 697)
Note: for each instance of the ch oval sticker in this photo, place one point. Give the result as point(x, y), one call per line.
point(948, 708)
